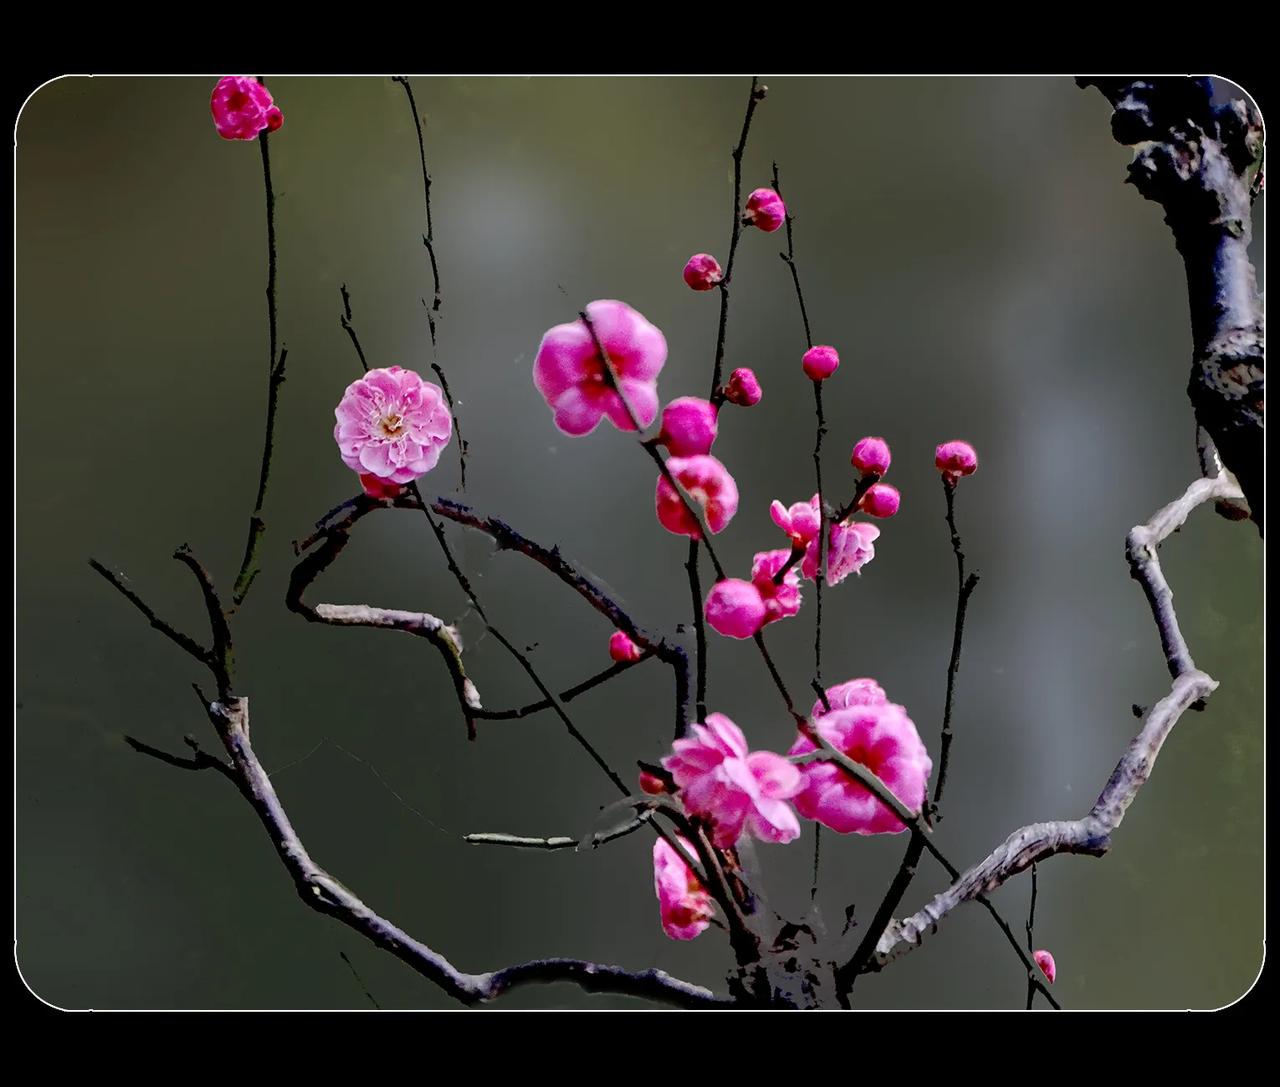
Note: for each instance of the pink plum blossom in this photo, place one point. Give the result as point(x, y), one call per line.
point(392, 424)
point(688, 426)
point(780, 601)
point(853, 692)
point(881, 500)
point(820, 362)
point(879, 736)
point(766, 210)
point(683, 904)
point(955, 459)
point(734, 789)
point(622, 648)
point(735, 608)
point(849, 549)
point(242, 108)
point(743, 388)
point(1045, 961)
point(871, 456)
point(702, 272)
point(711, 487)
point(571, 376)
point(799, 521)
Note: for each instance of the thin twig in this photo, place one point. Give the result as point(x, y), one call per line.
point(1031, 940)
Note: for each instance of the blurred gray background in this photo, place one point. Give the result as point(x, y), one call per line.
point(969, 246)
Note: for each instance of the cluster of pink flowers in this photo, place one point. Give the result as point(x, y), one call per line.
point(391, 429)
point(242, 107)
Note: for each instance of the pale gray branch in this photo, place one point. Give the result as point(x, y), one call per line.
point(1091, 835)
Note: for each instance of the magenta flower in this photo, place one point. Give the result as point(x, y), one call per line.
point(849, 549)
point(688, 426)
point(1045, 961)
point(881, 500)
point(743, 388)
point(683, 904)
point(871, 456)
point(702, 272)
point(709, 485)
point(622, 648)
point(853, 692)
point(780, 601)
point(733, 789)
point(570, 374)
point(879, 736)
point(766, 210)
point(392, 424)
point(242, 108)
point(955, 459)
point(735, 608)
point(820, 362)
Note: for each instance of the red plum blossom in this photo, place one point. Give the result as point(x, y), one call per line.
point(881, 737)
point(849, 549)
point(683, 904)
point(393, 425)
point(766, 210)
point(711, 487)
point(702, 272)
point(688, 426)
point(780, 601)
point(955, 459)
point(242, 108)
point(571, 376)
point(736, 790)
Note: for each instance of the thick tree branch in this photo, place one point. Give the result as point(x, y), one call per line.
point(1200, 162)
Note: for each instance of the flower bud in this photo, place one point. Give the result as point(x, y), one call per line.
point(881, 500)
point(652, 784)
point(743, 388)
point(688, 426)
point(766, 210)
point(622, 648)
point(871, 456)
point(1045, 961)
point(821, 362)
point(735, 609)
point(702, 272)
point(955, 459)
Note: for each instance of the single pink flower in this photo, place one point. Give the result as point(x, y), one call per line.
point(955, 459)
point(820, 362)
point(743, 388)
point(379, 488)
point(570, 374)
point(881, 500)
point(711, 487)
point(683, 904)
point(849, 549)
point(702, 272)
point(242, 108)
point(766, 210)
point(735, 608)
point(780, 601)
point(853, 692)
point(392, 424)
point(871, 456)
point(879, 736)
point(1045, 961)
point(622, 648)
point(733, 789)
point(688, 426)
point(799, 521)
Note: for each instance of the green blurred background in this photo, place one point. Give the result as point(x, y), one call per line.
point(968, 245)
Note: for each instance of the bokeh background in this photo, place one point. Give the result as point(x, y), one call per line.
point(969, 246)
